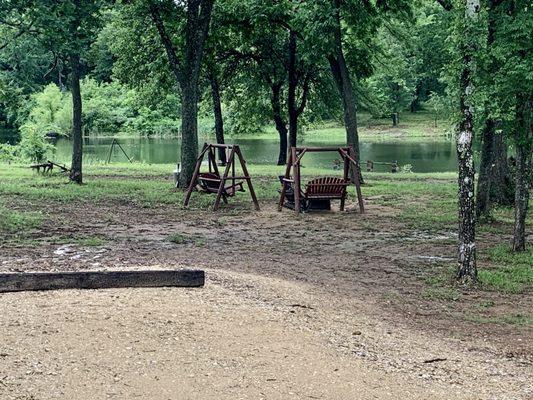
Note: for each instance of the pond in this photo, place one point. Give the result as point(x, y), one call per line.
point(424, 156)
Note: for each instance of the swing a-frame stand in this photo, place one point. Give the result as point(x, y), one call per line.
point(225, 185)
point(320, 189)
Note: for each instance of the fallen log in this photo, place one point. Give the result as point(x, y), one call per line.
point(33, 281)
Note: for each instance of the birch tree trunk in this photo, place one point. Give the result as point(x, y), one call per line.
point(467, 270)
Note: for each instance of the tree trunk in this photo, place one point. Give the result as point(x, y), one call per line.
point(501, 187)
point(189, 132)
point(281, 126)
point(524, 148)
point(485, 169)
point(293, 84)
point(346, 91)
point(467, 269)
point(187, 75)
point(219, 122)
point(77, 135)
point(494, 183)
point(344, 84)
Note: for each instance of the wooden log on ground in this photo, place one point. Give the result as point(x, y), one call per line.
point(32, 281)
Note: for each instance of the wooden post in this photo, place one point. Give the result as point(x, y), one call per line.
point(123, 151)
point(247, 177)
point(346, 172)
point(32, 281)
point(195, 175)
point(357, 180)
point(110, 151)
point(284, 185)
point(223, 179)
point(297, 182)
point(233, 172)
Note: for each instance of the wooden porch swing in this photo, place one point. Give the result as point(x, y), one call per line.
point(320, 191)
point(223, 186)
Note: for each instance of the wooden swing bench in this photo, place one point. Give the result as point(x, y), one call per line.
point(319, 191)
point(210, 182)
point(223, 185)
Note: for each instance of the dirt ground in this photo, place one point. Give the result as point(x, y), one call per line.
point(324, 306)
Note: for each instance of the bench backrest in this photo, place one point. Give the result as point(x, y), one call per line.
point(326, 186)
point(209, 181)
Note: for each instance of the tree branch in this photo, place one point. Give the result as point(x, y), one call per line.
point(446, 4)
point(175, 63)
point(305, 94)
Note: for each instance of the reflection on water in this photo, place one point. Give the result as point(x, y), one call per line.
point(429, 156)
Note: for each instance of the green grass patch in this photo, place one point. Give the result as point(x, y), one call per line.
point(510, 272)
point(180, 238)
point(18, 222)
point(441, 293)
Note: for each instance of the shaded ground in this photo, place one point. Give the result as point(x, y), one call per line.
point(332, 306)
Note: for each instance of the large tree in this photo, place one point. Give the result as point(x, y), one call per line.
point(513, 100)
point(466, 38)
point(494, 182)
point(268, 40)
point(65, 29)
point(192, 19)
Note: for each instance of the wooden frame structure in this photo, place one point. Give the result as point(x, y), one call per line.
point(214, 183)
point(294, 163)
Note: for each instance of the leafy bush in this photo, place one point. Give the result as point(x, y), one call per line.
point(50, 111)
point(108, 109)
point(33, 144)
point(8, 152)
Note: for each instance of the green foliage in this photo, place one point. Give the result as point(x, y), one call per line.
point(33, 144)
point(50, 111)
point(8, 153)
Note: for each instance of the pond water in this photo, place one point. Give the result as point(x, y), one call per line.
point(424, 156)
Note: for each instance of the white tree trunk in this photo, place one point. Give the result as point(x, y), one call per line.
point(467, 271)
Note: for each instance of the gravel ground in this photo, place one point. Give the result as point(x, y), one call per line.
point(242, 336)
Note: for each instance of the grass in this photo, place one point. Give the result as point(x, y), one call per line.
point(180, 238)
point(499, 269)
point(441, 293)
point(417, 126)
point(424, 202)
point(18, 222)
point(508, 272)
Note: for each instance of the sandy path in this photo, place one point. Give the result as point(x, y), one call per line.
point(240, 337)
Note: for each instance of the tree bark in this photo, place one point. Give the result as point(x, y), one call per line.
point(293, 84)
point(281, 126)
point(344, 84)
point(523, 141)
point(77, 135)
point(501, 188)
point(494, 184)
point(187, 74)
point(467, 269)
point(189, 132)
point(219, 122)
point(485, 169)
